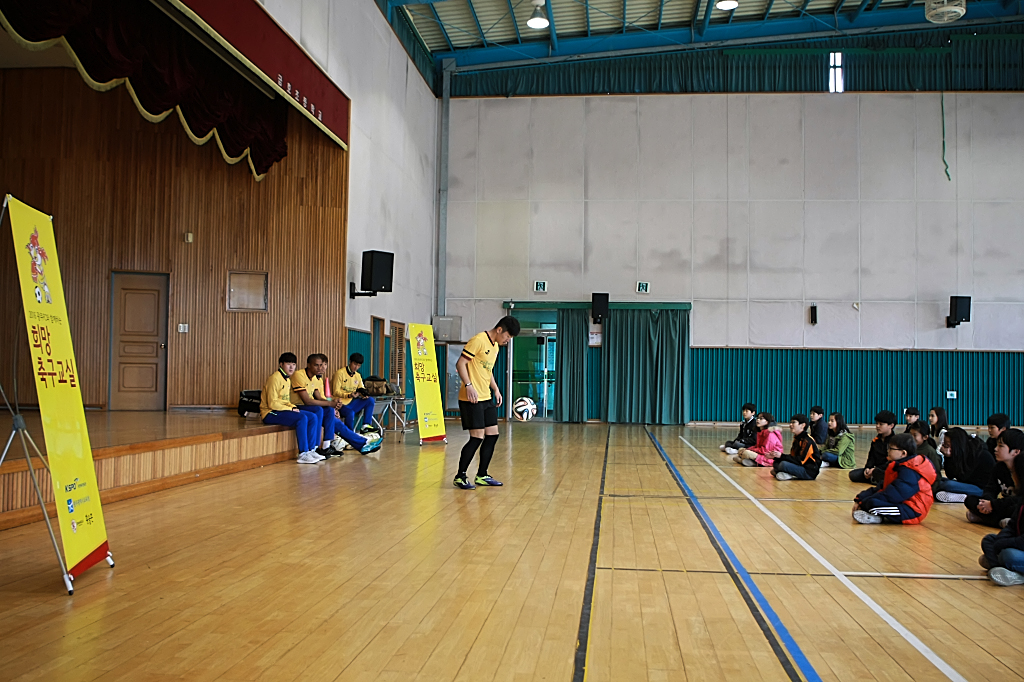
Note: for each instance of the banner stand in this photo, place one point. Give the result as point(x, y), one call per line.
point(20, 429)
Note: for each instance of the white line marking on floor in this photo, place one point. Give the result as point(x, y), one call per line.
point(906, 634)
point(922, 576)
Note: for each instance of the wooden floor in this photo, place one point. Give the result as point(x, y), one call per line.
point(375, 568)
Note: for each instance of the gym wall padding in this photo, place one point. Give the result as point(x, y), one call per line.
point(857, 383)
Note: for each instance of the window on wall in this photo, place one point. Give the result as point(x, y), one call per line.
point(247, 291)
point(835, 72)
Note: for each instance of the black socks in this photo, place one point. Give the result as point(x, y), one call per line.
point(468, 450)
point(486, 452)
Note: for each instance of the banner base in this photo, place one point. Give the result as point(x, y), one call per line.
point(434, 439)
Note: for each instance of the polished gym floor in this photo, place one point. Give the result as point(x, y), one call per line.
point(612, 553)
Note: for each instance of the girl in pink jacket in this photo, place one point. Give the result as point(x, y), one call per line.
point(769, 444)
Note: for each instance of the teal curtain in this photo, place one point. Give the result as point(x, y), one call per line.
point(644, 366)
point(573, 333)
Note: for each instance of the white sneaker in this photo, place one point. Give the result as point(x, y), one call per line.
point(307, 458)
point(371, 436)
point(318, 456)
point(783, 476)
point(722, 447)
point(861, 516)
point(943, 496)
point(1005, 577)
point(731, 451)
point(825, 465)
point(1003, 523)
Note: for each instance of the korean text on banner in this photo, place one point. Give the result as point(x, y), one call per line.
point(429, 408)
point(77, 496)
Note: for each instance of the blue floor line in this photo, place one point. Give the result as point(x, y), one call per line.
point(787, 640)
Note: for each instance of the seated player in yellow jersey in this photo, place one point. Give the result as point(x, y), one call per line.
point(347, 384)
point(479, 399)
point(276, 408)
point(308, 395)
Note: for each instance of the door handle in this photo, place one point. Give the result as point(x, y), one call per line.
point(163, 345)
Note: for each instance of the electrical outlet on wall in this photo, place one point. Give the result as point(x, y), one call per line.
point(183, 329)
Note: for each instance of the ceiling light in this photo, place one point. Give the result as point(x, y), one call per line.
point(727, 5)
point(539, 19)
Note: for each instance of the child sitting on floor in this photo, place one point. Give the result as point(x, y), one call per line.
point(999, 499)
point(1003, 556)
point(874, 468)
point(921, 434)
point(748, 432)
point(817, 428)
point(769, 444)
point(968, 465)
point(912, 415)
point(839, 444)
point(804, 458)
point(905, 495)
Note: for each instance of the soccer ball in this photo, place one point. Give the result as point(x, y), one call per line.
point(524, 409)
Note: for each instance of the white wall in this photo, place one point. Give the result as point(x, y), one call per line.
point(751, 207)
point(393, 145)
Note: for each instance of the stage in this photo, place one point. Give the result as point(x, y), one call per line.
point(142, 452)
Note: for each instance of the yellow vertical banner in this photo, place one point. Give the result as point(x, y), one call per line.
point(75, 492)
point(429, 407)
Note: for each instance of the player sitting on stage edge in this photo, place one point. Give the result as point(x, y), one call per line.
point(347, 384)
point(275, 408)
point(479, 399)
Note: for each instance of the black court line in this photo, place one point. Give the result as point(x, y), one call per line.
point(583, 636)
point(755, 612)
point(684, 496)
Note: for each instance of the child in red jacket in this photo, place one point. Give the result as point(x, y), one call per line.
point(769, 444)
point(905, 495)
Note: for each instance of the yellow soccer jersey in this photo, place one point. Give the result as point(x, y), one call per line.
point(274, 397)
point(482, 354)
point(300, 380)
point(343, 385)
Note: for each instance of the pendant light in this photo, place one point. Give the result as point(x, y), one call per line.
point(539, 18)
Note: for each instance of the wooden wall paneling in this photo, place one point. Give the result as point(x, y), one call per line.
point(123, 192)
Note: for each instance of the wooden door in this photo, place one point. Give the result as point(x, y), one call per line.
point(138, 342)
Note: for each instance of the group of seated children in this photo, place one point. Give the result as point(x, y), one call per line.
point(323, 423)
point(905, 471)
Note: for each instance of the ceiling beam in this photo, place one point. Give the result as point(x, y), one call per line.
point(855, 14)
point(512, 13)
point(707, 17)
point(803, 7)
point(440, 25)
point(874, 4)
point(768, 10)
point(739, 33)
point(586, 6)
point(661, 12)
point(480, 28)
point(551, 26)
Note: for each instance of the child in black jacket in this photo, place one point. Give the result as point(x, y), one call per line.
point(747, 436)
point(818, 427)
point(878, 459)
point(804, 459)
point(968, 465)
point(1003, 554)
point(999, 499)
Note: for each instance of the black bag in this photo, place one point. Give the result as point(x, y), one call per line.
point(248, 402)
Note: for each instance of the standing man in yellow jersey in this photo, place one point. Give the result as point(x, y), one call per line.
point(479, 399)
point(276, 408)
point(346, 384)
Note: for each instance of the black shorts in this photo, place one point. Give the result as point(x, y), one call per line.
point(478, 415)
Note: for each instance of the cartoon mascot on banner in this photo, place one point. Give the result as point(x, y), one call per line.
point(39, 258)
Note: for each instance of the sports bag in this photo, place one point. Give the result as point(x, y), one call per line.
point(375, 386)
point(248, 403)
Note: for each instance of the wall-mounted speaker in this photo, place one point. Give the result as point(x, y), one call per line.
point(598, 307)
point(959, 310)
point(378, 268)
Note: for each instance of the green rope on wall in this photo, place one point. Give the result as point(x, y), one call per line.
point(942, 105)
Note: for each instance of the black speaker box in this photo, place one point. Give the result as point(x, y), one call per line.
point(598, 307)
point(378, 268)
point(959, 310)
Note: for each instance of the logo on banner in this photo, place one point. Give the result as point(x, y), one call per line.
point(38, 258)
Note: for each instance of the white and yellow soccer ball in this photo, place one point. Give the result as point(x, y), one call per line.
point(524, 409)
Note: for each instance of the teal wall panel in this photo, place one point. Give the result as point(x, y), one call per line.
point(857, 383)
point(594, 388)
point(359, 342)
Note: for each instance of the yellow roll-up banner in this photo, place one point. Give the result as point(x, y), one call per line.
point(429, 407)
point(75, 492)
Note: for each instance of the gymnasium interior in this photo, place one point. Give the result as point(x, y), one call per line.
point(686, 205)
